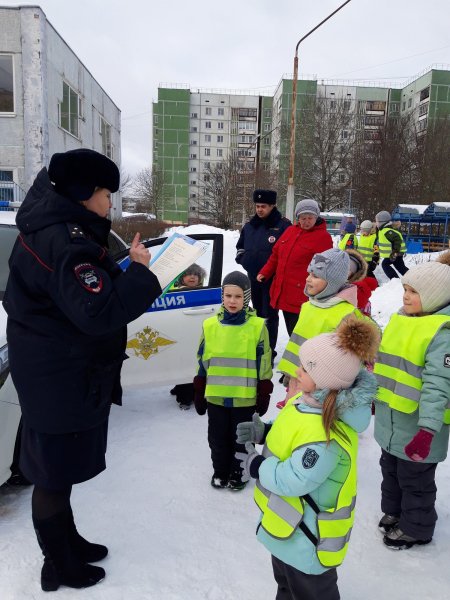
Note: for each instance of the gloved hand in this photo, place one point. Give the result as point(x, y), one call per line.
point(393, 256)
point(371, 266)
point(263, 391)
point(250, 431)
point(419, 447)
point(247, 459)
point(199, 394)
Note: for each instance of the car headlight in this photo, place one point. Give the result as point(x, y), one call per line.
point(4, 363)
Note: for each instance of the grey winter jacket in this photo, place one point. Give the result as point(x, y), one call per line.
point(394, 429)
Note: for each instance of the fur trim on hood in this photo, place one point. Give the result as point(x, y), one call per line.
point(361, 272)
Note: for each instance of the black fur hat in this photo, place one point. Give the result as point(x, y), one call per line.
point(265, 197)
point(77, 173)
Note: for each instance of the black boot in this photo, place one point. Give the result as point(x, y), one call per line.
point(84, 550)
point(61, 566)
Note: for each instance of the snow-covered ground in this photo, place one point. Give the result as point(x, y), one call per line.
point(173, 537)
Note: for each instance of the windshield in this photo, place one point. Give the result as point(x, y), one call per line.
point(8, 235)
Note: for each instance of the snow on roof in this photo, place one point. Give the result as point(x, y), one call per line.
point(336, 214)
point(445, 205)
point(416, 208)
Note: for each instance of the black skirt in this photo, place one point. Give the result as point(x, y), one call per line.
point(55, 461)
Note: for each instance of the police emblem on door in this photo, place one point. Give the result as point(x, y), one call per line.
point(147, 343)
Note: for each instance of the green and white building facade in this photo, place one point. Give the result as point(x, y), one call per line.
point(193, 129)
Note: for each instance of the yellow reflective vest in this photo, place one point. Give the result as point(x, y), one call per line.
point(385, 246)
point(401, 360)
point(366, 245)
point(229, 358)
point(312, 321)
point(283, 515)
point(348, 242)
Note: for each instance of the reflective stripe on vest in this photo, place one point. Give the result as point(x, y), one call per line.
point(385, 246)
point(312, 320)
point(401, 360)
point(229, 358)
point(282, 515)
point(366, 245)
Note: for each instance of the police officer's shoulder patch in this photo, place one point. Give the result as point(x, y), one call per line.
point(89, 277)
point(447, 360)
point(310, 457)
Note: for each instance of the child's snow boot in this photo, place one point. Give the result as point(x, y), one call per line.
point(388, 523)
point(397, 540)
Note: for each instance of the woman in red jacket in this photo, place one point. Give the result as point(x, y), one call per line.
point(290, 258)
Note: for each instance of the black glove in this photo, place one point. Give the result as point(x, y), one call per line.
point(199, 394)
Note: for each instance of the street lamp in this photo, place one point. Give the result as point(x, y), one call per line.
point(290, 189)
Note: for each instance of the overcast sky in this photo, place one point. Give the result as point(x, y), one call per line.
point(131, 46)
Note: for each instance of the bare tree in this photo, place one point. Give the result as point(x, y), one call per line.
point(221, 197)
point(433, 160)
point(148, 189)
point(126, 182)
point(324, 150)
point(384, 166)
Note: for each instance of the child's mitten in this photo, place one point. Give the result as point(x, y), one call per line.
point(263, 391)
point(419, 447)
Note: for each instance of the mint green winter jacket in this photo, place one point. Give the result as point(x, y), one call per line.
point(394, 429)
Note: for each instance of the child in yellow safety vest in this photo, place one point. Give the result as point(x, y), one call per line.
point(331, 298)
point(306, 475)
point(412, 410)
point(234, 376)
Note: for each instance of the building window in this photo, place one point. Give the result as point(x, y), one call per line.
point(333, 105)
point(267, 126)
point(208, 110)
point(193, 182)
point(207, 138)
point(220, 112)
point(193, 142)
point(220, 125)
point(347, 105)
point(206, 178)
point(6, 84)
point(192, 195)
point(266, 141)
point(410, 103)
point(193, 169)
point(6, 185)
point(403, 105)
point(194, 129)
point(105, 132)
point(423, 109)
point(69, 110)
point(194, 115)
point(155, 119)
point(424, 94)
point(219, 152)
point(207, 151)
point(345, 134)
point(266, 154)
point(379, 105)
point(395, 107)
point(219, 139)
point(207, 165)
point(342, 178)
point(268, 113)
point(208, 125)
point(193, 156)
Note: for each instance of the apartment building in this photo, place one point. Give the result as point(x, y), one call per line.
point(193, 129)
point(49, 102)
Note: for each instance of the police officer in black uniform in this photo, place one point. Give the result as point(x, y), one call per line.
point(254, 248)
point(68, 305)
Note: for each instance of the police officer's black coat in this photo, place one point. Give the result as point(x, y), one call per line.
point(68, 304)
point(257, 239)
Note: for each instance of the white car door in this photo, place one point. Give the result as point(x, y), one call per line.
point(162, 343)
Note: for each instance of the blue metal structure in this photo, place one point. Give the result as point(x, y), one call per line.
point(427, 225)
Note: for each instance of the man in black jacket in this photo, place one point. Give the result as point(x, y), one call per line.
point(254, 248)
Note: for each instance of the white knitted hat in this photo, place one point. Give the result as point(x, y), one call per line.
point(366, 225)
point(432, 281)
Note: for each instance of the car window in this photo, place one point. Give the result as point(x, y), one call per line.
point(115, 244)
point(8, 236)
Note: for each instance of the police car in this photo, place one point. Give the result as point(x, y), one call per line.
point(161, 343)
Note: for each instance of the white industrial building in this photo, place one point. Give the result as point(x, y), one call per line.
point(49, 102)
